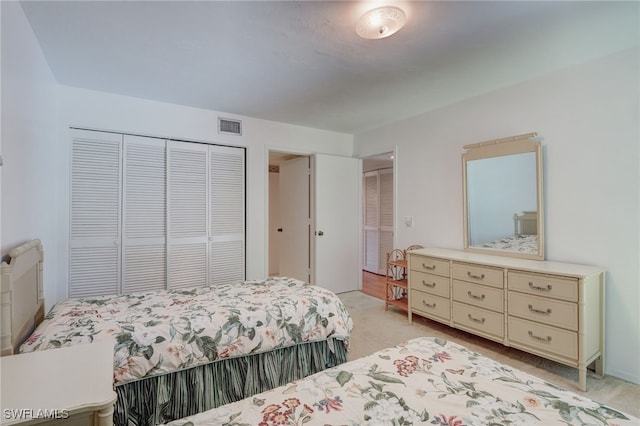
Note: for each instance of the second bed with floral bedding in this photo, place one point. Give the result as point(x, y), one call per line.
point(180, 352)
point(425, 381)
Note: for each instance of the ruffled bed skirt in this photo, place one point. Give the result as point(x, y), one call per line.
point(160, 399)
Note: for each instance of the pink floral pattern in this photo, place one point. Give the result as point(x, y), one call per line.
point(286, 413)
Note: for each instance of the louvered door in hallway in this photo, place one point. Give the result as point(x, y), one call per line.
point(378, 219)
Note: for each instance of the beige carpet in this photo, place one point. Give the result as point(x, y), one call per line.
point(375, 329)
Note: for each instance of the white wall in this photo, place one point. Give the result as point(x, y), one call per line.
point(29, 150)
point(588, 116)
point(103, 111)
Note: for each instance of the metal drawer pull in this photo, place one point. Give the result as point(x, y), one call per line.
point(428, 267)
point(541, 339)
point(429, 305)
point(481, 321)
point(473, 296)
point(426, 284)
point(477, 277)
point(535, 287)
point(540, 311)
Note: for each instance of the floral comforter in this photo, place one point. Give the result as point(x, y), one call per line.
point(165, 331)
point(422, 381)
point(519, 243)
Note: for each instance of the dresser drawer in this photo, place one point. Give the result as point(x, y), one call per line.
point(429, 283)
point(478, 274)
point(545, 310)
point(479, 295)
point(486, 322)
point(544, 338)
point(544, 285)
point(431, 265)
point(430, 305)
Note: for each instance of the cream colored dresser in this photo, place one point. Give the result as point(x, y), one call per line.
point(67, 387)
point(551, 309)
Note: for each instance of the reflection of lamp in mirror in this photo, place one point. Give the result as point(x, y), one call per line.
point(381, 22)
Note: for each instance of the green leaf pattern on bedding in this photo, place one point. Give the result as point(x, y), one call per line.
point(164, 331)
point(423, 381)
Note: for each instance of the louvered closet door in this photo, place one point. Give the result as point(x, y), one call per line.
point(385, 242)
point(144, 265)
point(94, 258)
point(187, 214)
point(371, 207)
point(227, 215)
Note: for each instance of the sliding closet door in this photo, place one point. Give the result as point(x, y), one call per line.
point(150, 214)
point(206, 214)
point(144, 265)
point(187, 214)
point(94, 258)
point(227, 214)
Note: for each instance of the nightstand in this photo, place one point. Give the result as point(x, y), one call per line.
point(68, 386)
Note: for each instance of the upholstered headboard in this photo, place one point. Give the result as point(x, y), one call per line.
point(21, 295)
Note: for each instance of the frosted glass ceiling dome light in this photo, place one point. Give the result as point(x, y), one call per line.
point(380, 22)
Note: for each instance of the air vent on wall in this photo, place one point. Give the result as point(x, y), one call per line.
point(230, 127)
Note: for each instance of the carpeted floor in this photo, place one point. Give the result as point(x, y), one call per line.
point(375, 329)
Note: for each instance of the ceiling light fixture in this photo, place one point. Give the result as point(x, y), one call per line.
point(380, 22)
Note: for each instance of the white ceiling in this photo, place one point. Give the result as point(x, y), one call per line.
point(301, 62)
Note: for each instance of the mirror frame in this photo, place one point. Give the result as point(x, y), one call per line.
point(496, 148)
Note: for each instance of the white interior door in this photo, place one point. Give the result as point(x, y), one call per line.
point(95, 228)
point(144, 215)
point(337, 203)
point(295, 219)
point(226, 215)
point(187, 224)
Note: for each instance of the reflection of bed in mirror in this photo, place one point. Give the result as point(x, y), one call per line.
point(525, 235)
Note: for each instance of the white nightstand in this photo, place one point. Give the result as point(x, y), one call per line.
point(67, 386)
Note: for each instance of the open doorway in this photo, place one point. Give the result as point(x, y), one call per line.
point(378, 221)
point(324, 246)
point(290, 215)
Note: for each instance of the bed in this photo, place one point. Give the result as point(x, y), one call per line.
point(524, 238)
point(422, 381)
point(221, 343)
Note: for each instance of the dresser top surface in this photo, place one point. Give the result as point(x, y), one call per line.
point(539, 266)
point(76, 379)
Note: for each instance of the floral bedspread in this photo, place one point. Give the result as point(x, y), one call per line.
point(422, 381)
point(519, 243)
point(165, 331)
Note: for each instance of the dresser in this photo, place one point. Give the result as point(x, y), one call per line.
point(67, 387)
point(551, 309)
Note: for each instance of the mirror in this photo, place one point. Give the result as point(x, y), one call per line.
point(503, 200)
